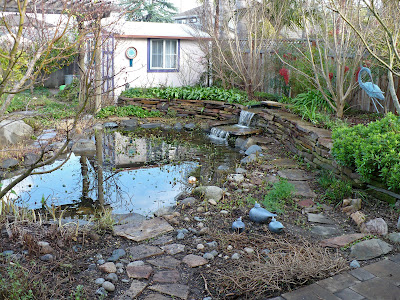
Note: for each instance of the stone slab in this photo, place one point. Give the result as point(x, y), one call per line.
point(167, 262)
point(294, 174)
point(167, 276)
point(395, 258)
point(385, 269)
point(194, 260)
point(319, 218)
point(134, 291)
point(311, 292)
point(303, 189)
point(143, 251)
point(361, 274)
point(173, 249)
point(377, 288)
point(163, 240)
point(305, 203)
point(139, 272)
point(324, 230)
point(341, 241)
point(156, 297)
point(175, 290)
point(348, 294)
point(284, 163)
point(369, 249)
point(144, 230)
point(338, 282)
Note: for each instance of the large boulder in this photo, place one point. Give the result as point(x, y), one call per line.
point(209, 192)
point(14, 131)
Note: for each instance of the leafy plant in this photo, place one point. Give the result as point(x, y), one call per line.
point(335, 190)
point(125, 111)
point(276, 199)
point(372, 150)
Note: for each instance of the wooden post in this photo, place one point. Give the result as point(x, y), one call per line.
point(97, 70)
point(98, 134)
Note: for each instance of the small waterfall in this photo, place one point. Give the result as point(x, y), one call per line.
point(219, 133)
point(245, 118)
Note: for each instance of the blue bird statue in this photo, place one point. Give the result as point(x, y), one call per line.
point(238, 225)
point(260, 215)
point(275, 226)
point(372, 90)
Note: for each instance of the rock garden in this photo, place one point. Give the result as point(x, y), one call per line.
point(189, 250)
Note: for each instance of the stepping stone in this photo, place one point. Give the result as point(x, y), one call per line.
point(348, 294)
point(324, 230)
point(156, 297)
point(319, 218)
point(271, 178)
point(167, 262)
point(369, 249)
point(173, 248)
point(144, 230)
point(294, 174)
point(175, 290)
point(341, 241)
point(377, 288)
point(311, 292)
point(361, 274)
point(305, 203)
point(139, 272)
point(163, 240)
point(167, 276)
point(338, 282)
point(285, 163)
point(135, 290)
point(143, 251)
point(194, 260)
point(303, 189)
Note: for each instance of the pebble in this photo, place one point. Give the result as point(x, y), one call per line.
point(47, 257)
point(186, 219)
point(125, 261)
point(101, 262)
point(235, 256)
point(249, 250)
point(207, 298)
point(136, 263)
point(183, 230)
point(7, 252)
point(224, 212)
point(266, 251)
point(77, 248)
point(214, 252)
point(229, 248)
point(212, 244)
point(125, 280)
point(354, 264)
point(112, 277)
point(92, 267)
point(198, 219)
point(101, 292)
point(98, 256)
point(108, 286)
point(203, 231)
point(200, 247)
point(116, 254)
point(212, 202)
point(200, 225)
point(226, 257)
point(208, 256)
point(180, 236)
point(193, 230)
point(99, 281)
point(200, 209)
point(119, 265)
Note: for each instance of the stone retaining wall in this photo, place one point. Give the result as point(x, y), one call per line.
point(199, 108)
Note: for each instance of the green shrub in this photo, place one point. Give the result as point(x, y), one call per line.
point(126, 111)
point(276, 199)
point(373, 150)
point(335, 190)
point(267, 96)
point(188, 93)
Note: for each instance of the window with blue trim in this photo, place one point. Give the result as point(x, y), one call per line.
point(163, 55)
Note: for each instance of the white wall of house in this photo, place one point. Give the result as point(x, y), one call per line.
point(190, 66)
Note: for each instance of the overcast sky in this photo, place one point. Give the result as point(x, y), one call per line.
point(183, 5)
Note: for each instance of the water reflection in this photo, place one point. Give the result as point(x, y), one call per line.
point(130, 173)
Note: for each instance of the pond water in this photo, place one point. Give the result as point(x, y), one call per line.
point(142, 171)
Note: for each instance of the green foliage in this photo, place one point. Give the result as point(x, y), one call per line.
point(77, 294)
point(17, 284)
point(267, 96)
point(189, 93)
point(335, 190)
point(374, 150)
point(149, 11)
point(126, 111)
point(276, 199)
point(70, 92)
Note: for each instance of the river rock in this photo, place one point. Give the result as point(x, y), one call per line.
point(188, 201)
point(254, 149)
point(394, 237)
point(44, 247)
point(99, 281)
point(110, 125)
point(190, 126)
point(112, 277)
point(194, 260)
point(238, 178)
point(14, 131)
point(108, 267)
point(370, 249)
point(116, 254)
point(248, 159)
point(376, 226)
point(165, 210)
point(108, 286)
point(209, 192)
point(47, 257)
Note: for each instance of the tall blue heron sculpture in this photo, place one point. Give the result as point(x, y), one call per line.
point(372, 90)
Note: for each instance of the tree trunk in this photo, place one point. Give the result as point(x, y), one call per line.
point(339, 109)
point(393, 92)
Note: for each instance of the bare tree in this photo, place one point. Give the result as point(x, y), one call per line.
point(331, 51)
point(383, 44)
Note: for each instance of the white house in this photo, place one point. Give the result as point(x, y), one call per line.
point(157, 54)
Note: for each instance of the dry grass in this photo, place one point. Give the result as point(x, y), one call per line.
point(289, 264)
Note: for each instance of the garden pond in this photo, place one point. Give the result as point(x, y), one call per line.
point(143, 170)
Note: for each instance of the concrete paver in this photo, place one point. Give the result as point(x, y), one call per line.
point(362, 274)
point(311, 292)
point(348, 294)
point(387, 270)
point(377, 289)
point(338, 282)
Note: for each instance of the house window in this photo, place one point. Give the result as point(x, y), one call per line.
point(163, 55)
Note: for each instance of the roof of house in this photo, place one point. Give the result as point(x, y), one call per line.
point(160, 30)
point(188, 13)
